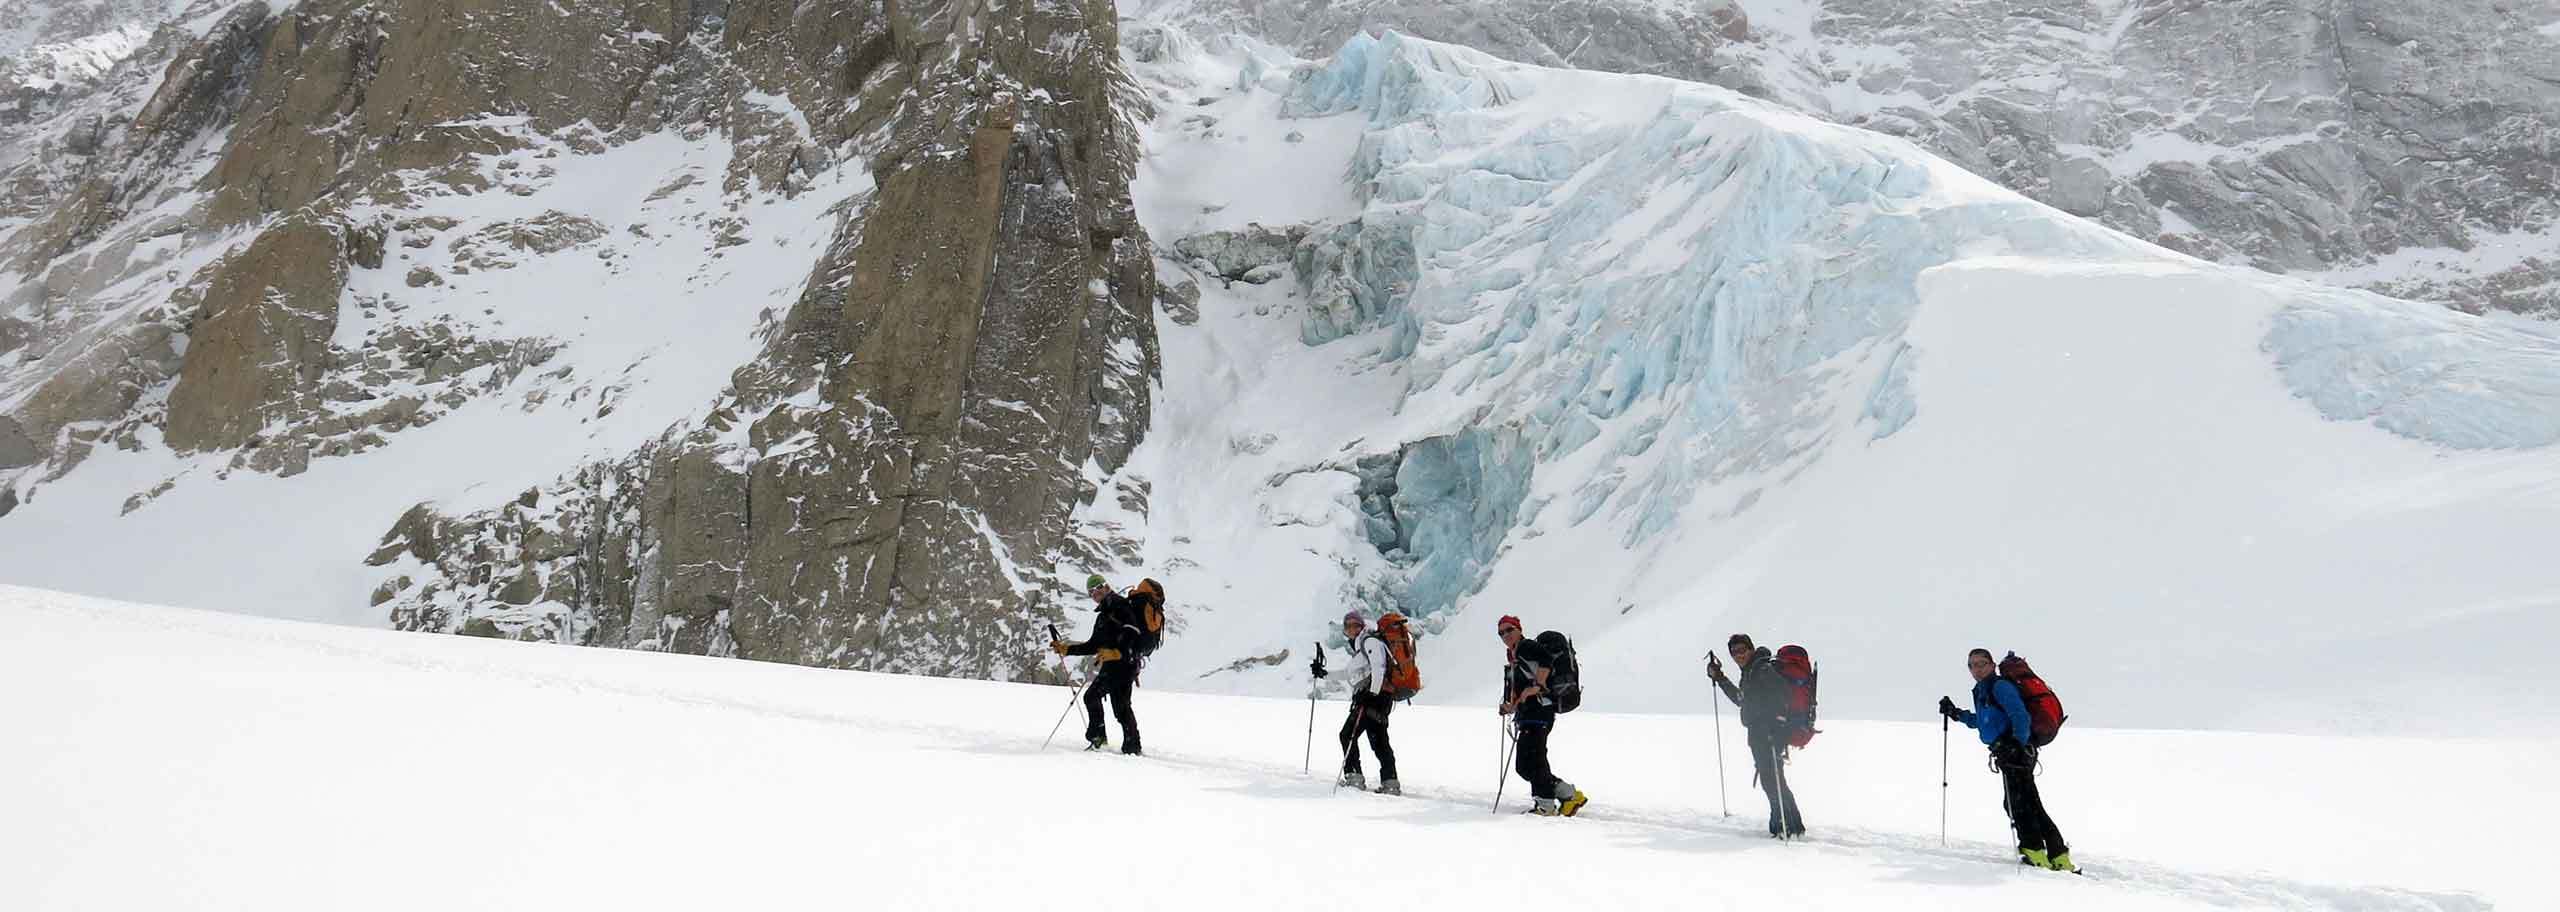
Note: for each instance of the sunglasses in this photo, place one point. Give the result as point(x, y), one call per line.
point(1505, 631)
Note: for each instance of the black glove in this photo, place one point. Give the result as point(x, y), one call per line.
point(1947, 708)
point(1315, 666)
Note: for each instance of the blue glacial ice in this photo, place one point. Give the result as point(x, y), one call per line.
point(1690, 275)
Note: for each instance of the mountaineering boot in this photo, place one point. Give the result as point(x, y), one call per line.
point(2062, 862)
point(1354, 781)
point(1131, 748)
point(1096, 742)
point(1574, 803)
point(2034, 857)
point(1546, 807)
point(1390, 787)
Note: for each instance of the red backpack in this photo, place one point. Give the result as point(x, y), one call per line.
point(2044, 710)
point(1795, 666)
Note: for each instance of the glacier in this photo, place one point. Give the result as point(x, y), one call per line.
point(1628, 342)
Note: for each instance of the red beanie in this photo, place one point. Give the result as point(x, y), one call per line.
point(1507, 621)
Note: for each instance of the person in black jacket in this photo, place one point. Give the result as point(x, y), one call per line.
point(1762, 697)
point(1113, 644)
point(1533, 718)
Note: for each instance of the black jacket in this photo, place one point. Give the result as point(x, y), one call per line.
point(1762, 695)
point(1115, 627)
point(1526, 661)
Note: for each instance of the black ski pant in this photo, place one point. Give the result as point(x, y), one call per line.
point(1529, 757)
point(2025, 805)
point(1769, 765)
point(1368, 714)
point(1115, 680)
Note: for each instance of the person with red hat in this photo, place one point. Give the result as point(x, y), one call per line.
point(1528, 663)
point(1369, 706)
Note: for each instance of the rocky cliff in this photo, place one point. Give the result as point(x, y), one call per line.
point(889, 484)
point(265, 249)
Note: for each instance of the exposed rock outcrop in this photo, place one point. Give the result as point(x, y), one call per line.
point(890, 484)
point(262, 344)
point(1255, 254)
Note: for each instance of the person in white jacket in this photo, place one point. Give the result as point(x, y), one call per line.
point(1369, 707)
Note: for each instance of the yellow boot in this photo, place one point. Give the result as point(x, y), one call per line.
point(2062, 862)
point(2034, 857)
point(1575, 803)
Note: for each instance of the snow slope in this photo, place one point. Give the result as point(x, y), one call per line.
point(1651, 362)
point(167, 758)
point(648, 328)
point(46, 66)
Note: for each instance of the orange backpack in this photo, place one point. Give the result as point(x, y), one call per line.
point(1404, 678)
point(1149, 596)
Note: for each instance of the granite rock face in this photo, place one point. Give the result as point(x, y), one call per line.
point(2319, 138)
point(889, 484)
point(235, 242)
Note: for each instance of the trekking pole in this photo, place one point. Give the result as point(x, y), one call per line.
point(1071, 694)
point(1310, 759)
point(1715, 705)
point(1942, 781)
point(1502, 753)
point(1352, 743)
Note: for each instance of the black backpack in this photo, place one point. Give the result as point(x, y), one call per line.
point(1564, 681)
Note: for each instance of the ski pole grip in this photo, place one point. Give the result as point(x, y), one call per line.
point(1053, 633)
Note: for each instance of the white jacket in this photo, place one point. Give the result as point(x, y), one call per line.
point(1369, 658)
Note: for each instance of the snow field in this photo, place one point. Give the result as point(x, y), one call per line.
point(173, 758)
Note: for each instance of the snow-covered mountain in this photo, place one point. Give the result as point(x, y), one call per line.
point(852, 336)
point(615, 342)
point(2394, 145)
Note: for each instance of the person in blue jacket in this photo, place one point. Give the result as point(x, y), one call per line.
point(1999, 716)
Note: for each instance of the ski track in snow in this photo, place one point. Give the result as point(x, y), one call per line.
point(994, 720)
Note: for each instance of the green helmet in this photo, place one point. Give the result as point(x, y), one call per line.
point(1096, 582)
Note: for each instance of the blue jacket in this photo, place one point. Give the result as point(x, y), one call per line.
point(1998, 710)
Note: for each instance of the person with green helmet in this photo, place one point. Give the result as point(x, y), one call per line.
point(1116, 633)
